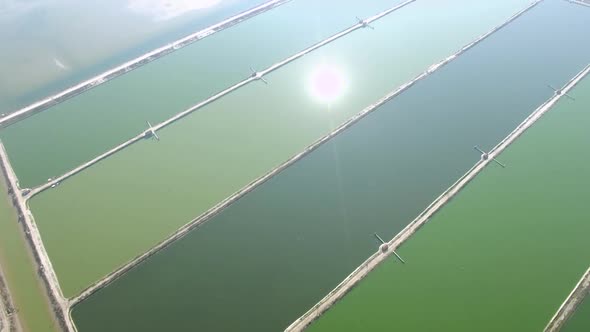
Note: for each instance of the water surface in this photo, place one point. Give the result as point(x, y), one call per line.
point(61, 138)
point(270, 256)
point(157, 186)
point(503, 254)
point(49, 45)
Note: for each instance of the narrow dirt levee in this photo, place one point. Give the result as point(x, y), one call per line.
point(571, 303)
point(8, 321)
point(60, 305)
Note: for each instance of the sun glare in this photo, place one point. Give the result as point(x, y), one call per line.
point(327, 83)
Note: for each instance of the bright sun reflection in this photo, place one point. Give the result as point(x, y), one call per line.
point(327, 83)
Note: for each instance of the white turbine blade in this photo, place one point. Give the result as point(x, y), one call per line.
point(570, 97)
point(263, 80)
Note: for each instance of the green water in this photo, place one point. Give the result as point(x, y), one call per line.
point(51, 45)
point(155, 187)
point(79, 129)
point(502, 255)
point(16, 262)
point(266, 259)
point(580, 322)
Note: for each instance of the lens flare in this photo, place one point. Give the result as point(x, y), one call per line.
point(327, 83)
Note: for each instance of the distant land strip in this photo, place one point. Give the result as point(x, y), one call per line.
point(580, 2)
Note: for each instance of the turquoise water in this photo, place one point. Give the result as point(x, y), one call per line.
point(51, 45)
point(266, 259)
point(77, 130)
